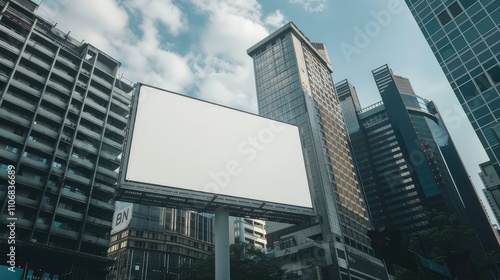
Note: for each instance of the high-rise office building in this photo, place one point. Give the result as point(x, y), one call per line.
point(153, 243)
point(251, 231)
point(463, 34)
point(407, 161)
point(294, 85)
point(63, 112)
point(494, 208)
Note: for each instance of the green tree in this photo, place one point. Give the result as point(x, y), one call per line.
point(447, 235)
point(247, 263)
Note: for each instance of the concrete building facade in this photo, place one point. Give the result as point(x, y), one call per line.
point(63, 111)
point(294, 85)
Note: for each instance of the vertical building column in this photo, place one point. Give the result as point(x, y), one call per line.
point(221, 226)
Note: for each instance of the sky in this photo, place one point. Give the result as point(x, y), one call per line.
point(198, 48)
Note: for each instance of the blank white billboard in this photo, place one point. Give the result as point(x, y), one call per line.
point(185, 143)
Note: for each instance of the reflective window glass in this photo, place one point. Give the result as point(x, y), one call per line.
point(444, 17)
point(482, 82)
point(495, 74)
point(468, 90)
point(455, 9)
point(447, 51)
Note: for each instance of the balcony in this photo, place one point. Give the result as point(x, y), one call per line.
point(31, 73)
point(25, 201)
point(48, 114)
point(54, 100)
point(75, 196)
point(14, 116)
point(36, 60)
point(95, 105)
point(34, 163)
point(99, 93)
point(89, 132)
point(41, 146)
point(70, 123)
point(7, 62)
point(47, 130)
point(61, 153)
point(74, 109)
point(99, 222)
point(3, 76)
point(84, 71)
point(9, 155)
point(12, 33)
point(78, 178)
point(67, 62)
point(118, 117)
point(101, 204)
point(63, 74)
point(101, 81)
point(59, 87)
point(83, 162)
point(93, 119)
point(57, 171)
point(92, 239)
point(115, 129)
point(69, 214)
point(48, 208)
point(41, 48)
point(78, 96)
point(8, 134)
point(109, 156)
point(104, 188)
point(107, 172)
point(42, 227)
point(9, 47)
point(25, 87)
point(29, 181)
point(64, 232)
point(112, 143)
point(21, 102)
point(123, 95)
point(85, 146)
point(120, 104)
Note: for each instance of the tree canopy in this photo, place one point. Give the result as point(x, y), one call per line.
point(247, 263)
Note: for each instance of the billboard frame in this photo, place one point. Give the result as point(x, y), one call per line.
point(169, 196)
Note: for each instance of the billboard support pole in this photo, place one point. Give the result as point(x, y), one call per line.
point(221, 231)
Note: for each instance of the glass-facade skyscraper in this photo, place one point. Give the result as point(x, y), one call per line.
point(63, 111)
point(294, 85)
point(407, 161)
point(464, 36)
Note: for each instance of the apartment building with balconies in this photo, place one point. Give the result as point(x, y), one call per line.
point(63, 114)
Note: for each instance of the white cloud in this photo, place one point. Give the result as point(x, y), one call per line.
point(311, 5)
point(214, 64)
point(276, 19)
point(223, 69)
point(163, 11)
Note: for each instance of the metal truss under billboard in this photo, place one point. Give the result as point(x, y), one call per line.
point(191, 154)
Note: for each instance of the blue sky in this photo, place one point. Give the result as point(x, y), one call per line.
point(198, 47)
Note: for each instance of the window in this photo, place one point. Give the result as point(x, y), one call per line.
point(444, 17)
point(468, 90)
point(467, 3)
point(482, 82)
point(495, 74)
point(455, 9)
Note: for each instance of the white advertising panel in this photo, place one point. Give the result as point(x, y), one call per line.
point(181, 142)
point(122, 216)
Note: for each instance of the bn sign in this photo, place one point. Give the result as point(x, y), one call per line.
point(122, 216)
